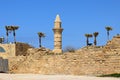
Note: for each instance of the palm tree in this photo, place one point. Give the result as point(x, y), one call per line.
point(95, 35)
point(88, 36)
point(6, 33)
point(108, 28)
point(8, 28)
point(40, 35)
point(14, 34)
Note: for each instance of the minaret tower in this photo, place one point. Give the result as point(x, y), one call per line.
point(57, 35)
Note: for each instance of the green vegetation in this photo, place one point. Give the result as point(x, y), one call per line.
point(69, 49)
point(108, 28)
point(9, 29)
point(111, 75)
point(95, 34)
point(88, 36)
point(40, 34)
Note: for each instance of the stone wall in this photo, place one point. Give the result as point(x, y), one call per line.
point(21, 49)
point(3, 65)
point(9, 50)
point(90, 60)
point(78, 63)
point(12, 50)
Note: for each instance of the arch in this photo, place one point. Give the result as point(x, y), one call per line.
point(2, 49)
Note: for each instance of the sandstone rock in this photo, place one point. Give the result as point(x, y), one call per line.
point(90, 60)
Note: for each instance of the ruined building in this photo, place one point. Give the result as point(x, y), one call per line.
point(9, 51)
point(90, 60)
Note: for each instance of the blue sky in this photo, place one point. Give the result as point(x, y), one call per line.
point(78, 18)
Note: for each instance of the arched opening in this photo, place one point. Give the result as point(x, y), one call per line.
point(2, 49)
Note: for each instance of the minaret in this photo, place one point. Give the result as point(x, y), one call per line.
point(57, 35)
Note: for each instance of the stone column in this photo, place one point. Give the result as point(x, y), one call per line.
point(57, 35)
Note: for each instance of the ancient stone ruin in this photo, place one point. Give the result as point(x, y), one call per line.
point(89, 60)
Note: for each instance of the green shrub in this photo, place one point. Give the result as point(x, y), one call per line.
point(111, 75)
point(69, 49)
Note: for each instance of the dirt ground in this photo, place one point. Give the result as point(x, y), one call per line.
point(50, 77)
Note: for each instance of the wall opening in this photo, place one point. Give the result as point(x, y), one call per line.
point(2, 50)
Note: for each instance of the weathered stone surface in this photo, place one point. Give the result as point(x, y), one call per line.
point(12, 50)
point(57, 35)
point(3, 65)
point(90, 60)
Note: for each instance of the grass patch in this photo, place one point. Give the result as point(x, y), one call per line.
point(111, 75)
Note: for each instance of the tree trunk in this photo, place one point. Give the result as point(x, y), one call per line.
point(7, 35)
point(95, 42)
point(14, 36)
point(108, 34)
point(40, 42)
point(87, 41)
